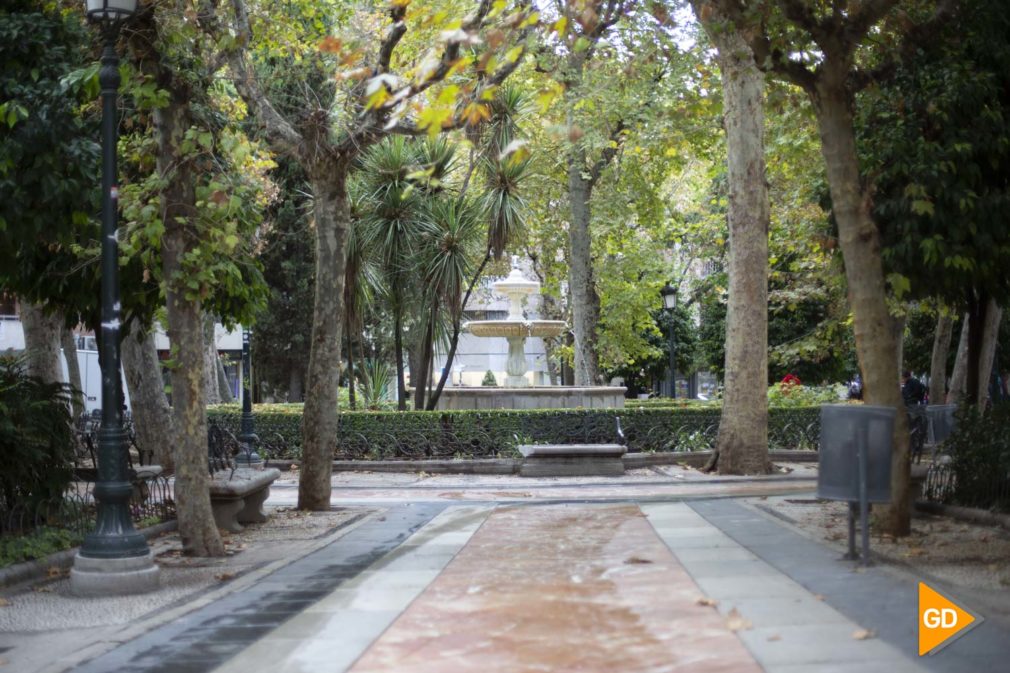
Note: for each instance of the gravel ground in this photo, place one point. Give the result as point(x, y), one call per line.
point(48, 605)
point(962, 554)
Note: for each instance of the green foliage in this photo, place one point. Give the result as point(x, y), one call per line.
point(980, 452)
point(937, 136)
point(487, 433)
point(489, 380)
point(375, 383)
point(36, 440)
point(49, 156)
point(37, 544)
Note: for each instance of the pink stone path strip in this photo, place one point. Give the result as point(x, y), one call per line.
point(588, 588)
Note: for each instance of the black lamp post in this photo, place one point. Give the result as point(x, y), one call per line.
point(669, 294)
point(114, 558)
point(247, 436)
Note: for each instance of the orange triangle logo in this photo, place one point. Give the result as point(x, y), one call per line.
point(939, 620)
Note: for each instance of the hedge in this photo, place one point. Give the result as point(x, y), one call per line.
point(379, 435)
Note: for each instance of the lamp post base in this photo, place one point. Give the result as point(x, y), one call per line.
point(94, 577)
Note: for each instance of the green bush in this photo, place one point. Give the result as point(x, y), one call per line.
point(496, 432)
point(789, 395)
point(36, 439)
point(980, 459)
point(38, 544)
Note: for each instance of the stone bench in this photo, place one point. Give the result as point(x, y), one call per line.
point(572, 460)
point(237, 497)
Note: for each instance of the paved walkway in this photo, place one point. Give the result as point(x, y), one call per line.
point(691, 582)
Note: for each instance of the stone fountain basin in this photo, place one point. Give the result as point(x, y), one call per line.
point(516, 328)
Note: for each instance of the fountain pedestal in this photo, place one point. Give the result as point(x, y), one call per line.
point(516, 363)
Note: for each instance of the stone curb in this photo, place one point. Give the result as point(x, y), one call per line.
point(39, 568)
point(512, 465)
point(967, 514)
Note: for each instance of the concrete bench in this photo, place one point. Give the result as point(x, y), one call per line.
point(572, 460)
point(237, 497)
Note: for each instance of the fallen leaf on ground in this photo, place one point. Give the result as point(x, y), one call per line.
point(636, 560)
point(224, 577)
point(735, 622)
point(863, 634)
point(772, 639)
point(705, 600)
point(42, 590)
point(818, 597)
point(4, 602)
point(55, 572)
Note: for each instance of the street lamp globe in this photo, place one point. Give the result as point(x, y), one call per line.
point(669, 294)
point(105, 11)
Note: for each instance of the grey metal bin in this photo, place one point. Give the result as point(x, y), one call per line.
point(843, 428)
point(941, 421)
point(854, 463)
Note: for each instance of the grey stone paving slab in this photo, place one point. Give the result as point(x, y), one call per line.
point(878, 598)
point(789, 626)
point(204, 639)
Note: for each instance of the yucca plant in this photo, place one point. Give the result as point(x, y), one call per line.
point(374, 383)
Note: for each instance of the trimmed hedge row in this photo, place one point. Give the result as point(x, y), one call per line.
point(496, 433)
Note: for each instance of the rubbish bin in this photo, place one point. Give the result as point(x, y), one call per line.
point(844, 429)
point(854, 463)
point(941, 421)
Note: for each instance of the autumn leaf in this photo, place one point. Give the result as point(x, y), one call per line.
point(705, 600)
point(735, 622)
point(863, 634)
point(330, 45)
point(635, 560)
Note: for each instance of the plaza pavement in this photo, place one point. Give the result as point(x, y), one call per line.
point(660, 571)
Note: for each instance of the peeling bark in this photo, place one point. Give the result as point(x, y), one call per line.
point(958, 377)
point(152, 415)
point(987, 352)
point(69, 344)
point(199, 533)
point(742, 443)
point(938, 361)
point(42, 342)
point(319, 423)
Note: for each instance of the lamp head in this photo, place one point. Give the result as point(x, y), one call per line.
point(669, 294)
point(110, 11)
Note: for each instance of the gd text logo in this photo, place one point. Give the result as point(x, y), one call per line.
point(940, 620)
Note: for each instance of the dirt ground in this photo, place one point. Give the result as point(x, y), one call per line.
point(966, 555)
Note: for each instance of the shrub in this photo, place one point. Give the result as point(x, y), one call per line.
point(796, 395)
point(489, 379)
point(36, 439)
point(980, 458)
point(496, 432)
point(38, 544)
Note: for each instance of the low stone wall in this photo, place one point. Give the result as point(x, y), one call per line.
point(533, 397)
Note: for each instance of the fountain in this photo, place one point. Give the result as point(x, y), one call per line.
point(517, 393)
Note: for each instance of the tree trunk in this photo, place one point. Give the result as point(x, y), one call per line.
point(860, 243)
point(152, 415)
point(224, 390)
point(401, 385)
point(319, 422)
point(958, 376)
point(295, 385)
point(457, 324)
point(199, 533)
point(427, 353)
point(990, 335)
point(351, 397)
point(212, 394)
point(42, 342)
point(69, 344)
point(938, 362)
point(977, 309)
point(742, 443)
point(585, 300)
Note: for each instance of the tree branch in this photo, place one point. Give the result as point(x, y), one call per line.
point(608, 153)
point(396, 33)
point(281, 135)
